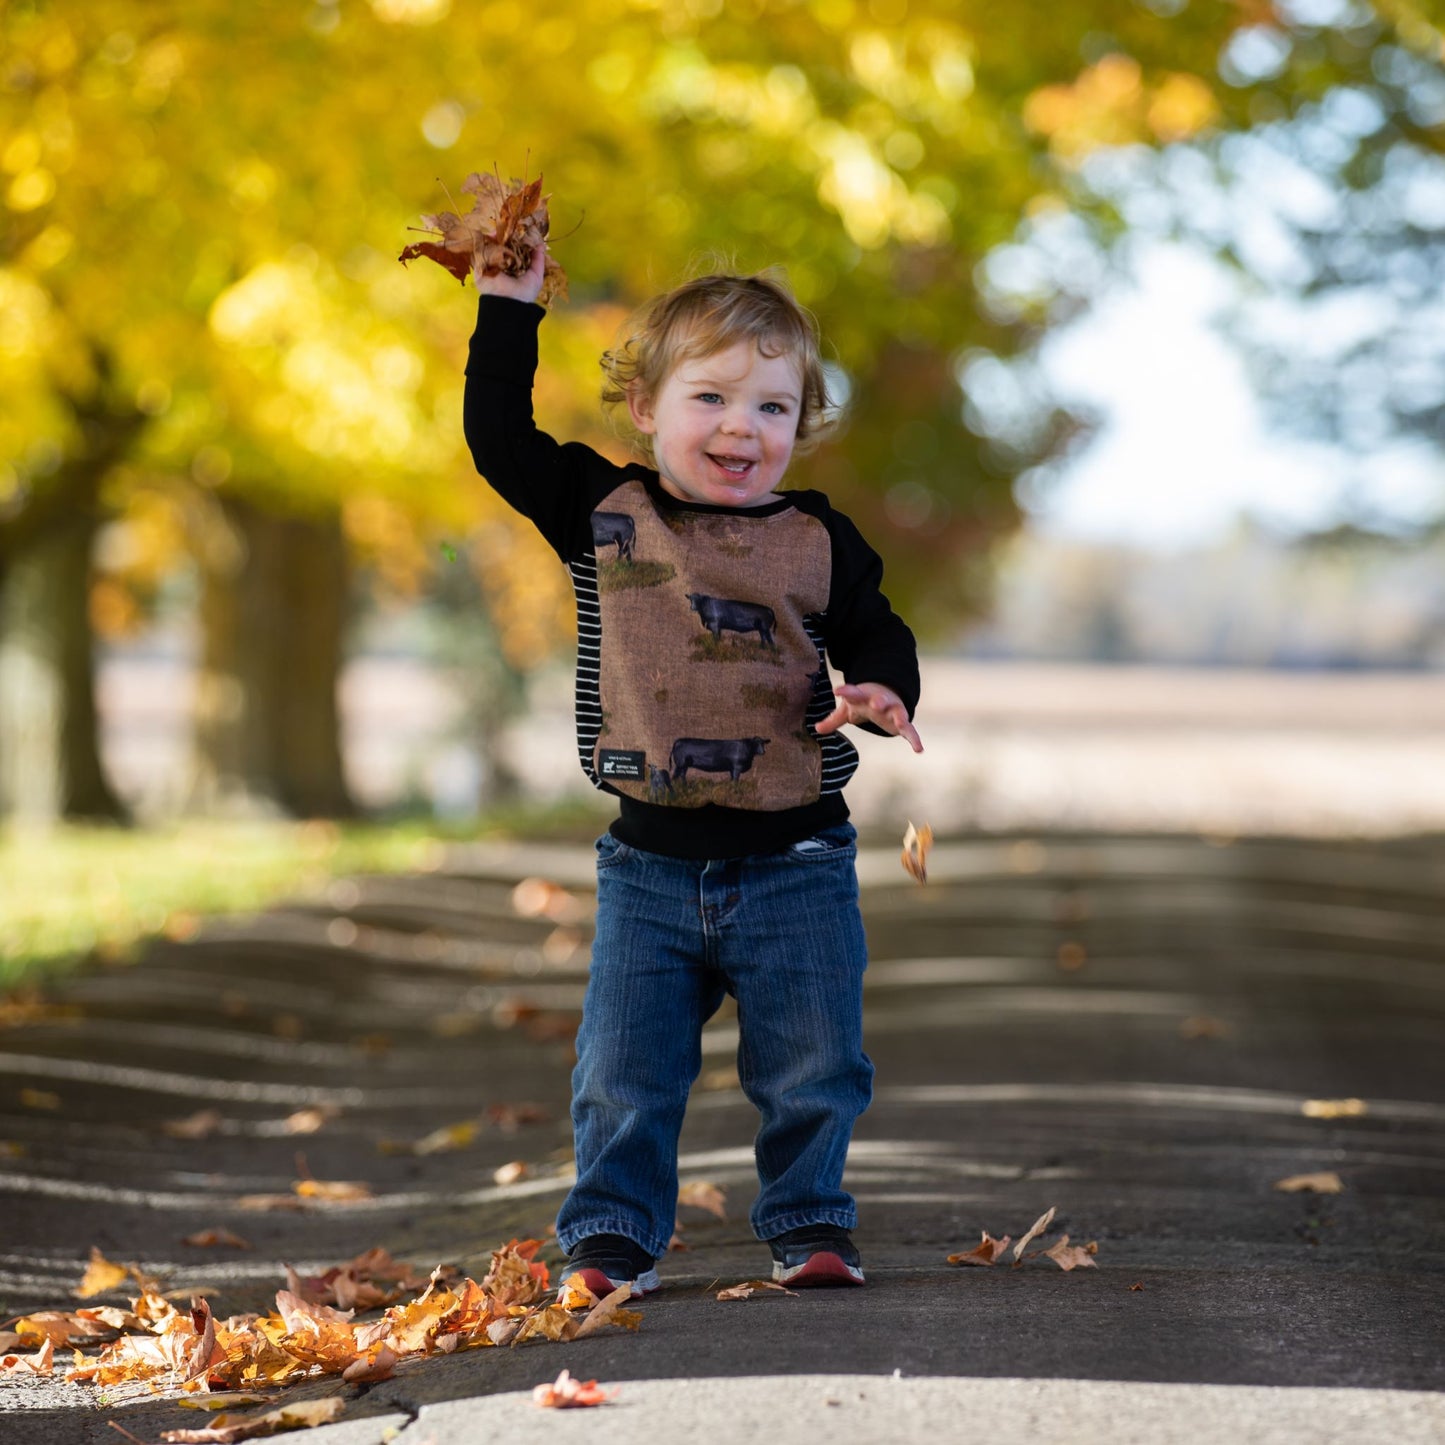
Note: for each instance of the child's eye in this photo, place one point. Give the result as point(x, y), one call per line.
point(776, 407)
point(709, 396)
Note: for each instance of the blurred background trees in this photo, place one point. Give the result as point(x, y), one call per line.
point(222, 393)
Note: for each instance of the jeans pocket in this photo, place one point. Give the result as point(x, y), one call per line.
point(611, 851)
point(834, 842)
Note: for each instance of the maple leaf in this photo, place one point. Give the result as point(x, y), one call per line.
point(378, 1363)
point(916, 843)
point(1325, 1182)
point(988, 1251)
point(702, 1195)
point(1070, 1256)
point(514, 1276)
point(225, 1429)
point(61, 1327)
point(1035, 1229)
point(100, 1276)
point(497, 236)
point(749, 1288)
point(565, 1393)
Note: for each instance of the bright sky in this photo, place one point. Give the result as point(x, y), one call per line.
point(1183, 447)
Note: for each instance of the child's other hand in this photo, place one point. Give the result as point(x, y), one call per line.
point(526, 287)
point(871, 702)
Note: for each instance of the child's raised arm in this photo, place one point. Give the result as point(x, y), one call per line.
point(526, 287)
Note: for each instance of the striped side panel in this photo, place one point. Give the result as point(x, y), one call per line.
point(840, 757)
point(588, 696)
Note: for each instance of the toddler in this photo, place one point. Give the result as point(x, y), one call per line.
point(706, 601)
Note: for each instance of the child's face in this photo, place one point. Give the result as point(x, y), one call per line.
point(723, 426)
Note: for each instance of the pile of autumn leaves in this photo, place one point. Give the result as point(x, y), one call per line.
point(192, 1351)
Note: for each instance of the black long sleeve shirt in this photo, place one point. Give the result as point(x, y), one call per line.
point(702, 630)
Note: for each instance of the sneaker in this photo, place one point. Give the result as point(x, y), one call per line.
point(608, 1261)
point(815, 1255)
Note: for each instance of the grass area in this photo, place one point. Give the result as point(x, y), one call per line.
point(76, 890)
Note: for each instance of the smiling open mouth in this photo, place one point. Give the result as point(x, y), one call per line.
point(733, 466)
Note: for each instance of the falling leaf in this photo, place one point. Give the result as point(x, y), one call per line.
point(39, 1099)
point(334, 1191)
point(565, 1393)
point(916, 843)
point(1070, 1256)
point(227, 1428)
point(216, 1239)
point(447, 1139)
point(200, 1125)
point(497, 236)
point(1035, 1229)
point(101, 1276)
point(702, 1195)
point(749, 1288)
point(511, 1173)
point(987, 1251)
point(1325, 1182)
point(1334, 1108)
point(510, 1117)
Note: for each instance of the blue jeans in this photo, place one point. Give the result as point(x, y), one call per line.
point(781, 932)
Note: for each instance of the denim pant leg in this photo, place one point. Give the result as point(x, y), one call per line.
point(649, 992)
point(794, 953)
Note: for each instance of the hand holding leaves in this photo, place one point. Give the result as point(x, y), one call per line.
point(871, 702)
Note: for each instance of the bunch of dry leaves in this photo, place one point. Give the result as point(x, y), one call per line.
point(1067, 1256)
point(189, 1350)
point(497, 236)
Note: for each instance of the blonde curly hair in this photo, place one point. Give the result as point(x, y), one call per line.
point(707, 315)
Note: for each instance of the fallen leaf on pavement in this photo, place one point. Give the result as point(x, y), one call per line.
point(101, 1275)
point(39, 1099)
point(310, 1120)
point(227, 1428)
point(379, 1363)
point(511, 1173)
point(510, 1117)
point(702, 1195)
point(200, 1125)
point(565, 1393)
point(216, 1239)
point(1070, 1256)
point(916, 843)
point(271, 1202)
point(749, 1288)
point(224, 1400)
point(40, 1363)
point(1202, 1026)
point(606, 1311)
point(335, 1191)
point(1325, 1182)
point(1035, 1229)
point(987, 1251)
point(1334, 1108)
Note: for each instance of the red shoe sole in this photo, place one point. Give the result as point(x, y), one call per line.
point(821, 1271)
point(599, 1283)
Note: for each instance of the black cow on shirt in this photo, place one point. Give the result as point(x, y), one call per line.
point(614, 528)
point(719, 614)
point(733, 756)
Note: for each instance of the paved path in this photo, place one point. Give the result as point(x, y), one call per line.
point(1132, 1029)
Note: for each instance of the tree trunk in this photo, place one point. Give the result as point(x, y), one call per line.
point(49, 756)
point(273, 612)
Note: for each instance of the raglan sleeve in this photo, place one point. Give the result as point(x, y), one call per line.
point(547, 481)
point(866, 640)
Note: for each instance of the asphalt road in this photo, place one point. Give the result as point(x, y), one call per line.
point(1147, 1033)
